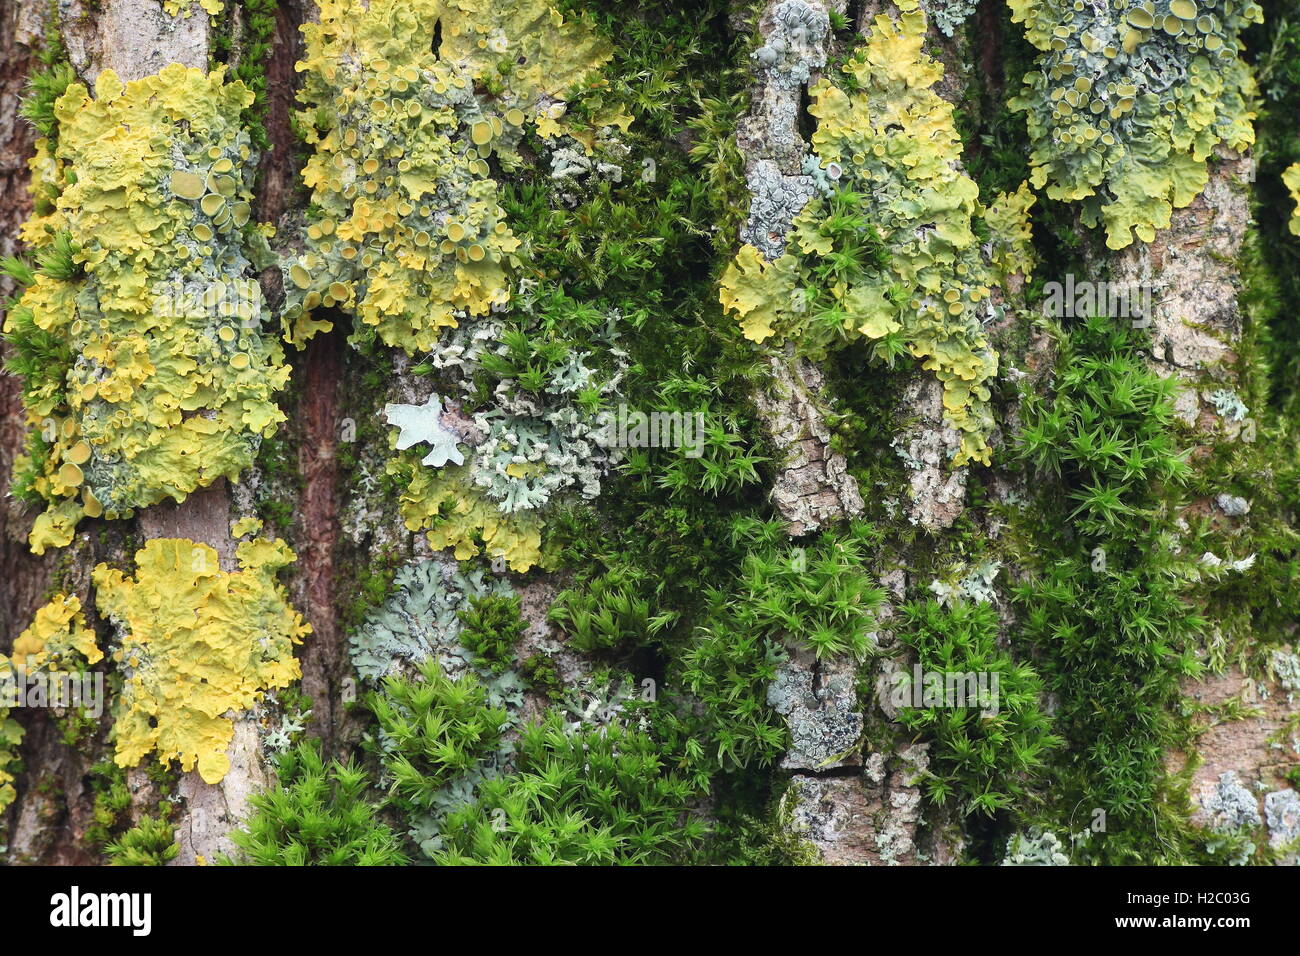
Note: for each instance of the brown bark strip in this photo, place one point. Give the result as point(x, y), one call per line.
point(324, 658)
point(25, 576)
point(278, 171)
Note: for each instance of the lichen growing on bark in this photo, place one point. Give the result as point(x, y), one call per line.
point(143, 231)
point(196, 642)
point(886, 250)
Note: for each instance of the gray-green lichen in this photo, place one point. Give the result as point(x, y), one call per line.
point(1035, 848)
point(420, 620)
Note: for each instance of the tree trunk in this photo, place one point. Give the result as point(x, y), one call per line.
point(799, 223)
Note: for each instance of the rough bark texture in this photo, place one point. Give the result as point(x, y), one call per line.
point(850, 787)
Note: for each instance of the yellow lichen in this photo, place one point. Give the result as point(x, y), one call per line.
point(891, 147)
point(171, 382)
point(198, 643)
point(1008, 221)
point(1129, 99)
point(1291, 178)
point(184, 8)
point(456, 515)
point(11, 735)
point(406, 231)
point(245, 526)
point(57, 638)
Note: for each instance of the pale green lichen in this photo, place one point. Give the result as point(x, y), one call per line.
point(890, 147)
point(407, 232)
point(1036, 848)
point(196, 644)
point(421, 620)
point(541, 436)
point(170, 383)
point(1129, 99)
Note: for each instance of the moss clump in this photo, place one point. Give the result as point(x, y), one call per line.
point(593, 797)
point(989, 750)
point(318, 816)
point(151, 842)
point(1107, 605)
point(491, 627)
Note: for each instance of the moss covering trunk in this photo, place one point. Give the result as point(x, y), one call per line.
point(739, 431)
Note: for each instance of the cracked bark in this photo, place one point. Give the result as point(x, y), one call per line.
point(1196, 327)
point(873, 815)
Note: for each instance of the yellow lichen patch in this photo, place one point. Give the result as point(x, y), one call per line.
point(1291, 179)
point(173, 381)
point(198, 644)
point(57, 638)
point(11, 735)
point(245, 526)
point(457, 516)
point(1008, 221)
point(889, 157)
point(411, 236)
point(184, 8)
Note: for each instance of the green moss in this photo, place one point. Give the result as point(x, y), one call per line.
point(987, 754)
point(151, 842)
point(592, 797)
point(1108, 603)
point(249, 49)
point(491, 629)
point(110, 805)
point(317, 816)
point(539, 672)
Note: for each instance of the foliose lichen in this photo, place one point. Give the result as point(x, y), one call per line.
point(1282, 813)
point(11, 736)
point(406, 101)
point(56, 640)
point(184, 8)
point(540, 434)
point(197, 642)
point(949, 15)
point(421, 620)
point(887, 251)
point(1291, 179)
point(432, 688)
point(1230, 804)
point(168, 385)
point(1129, 99)
point(1036, 848)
